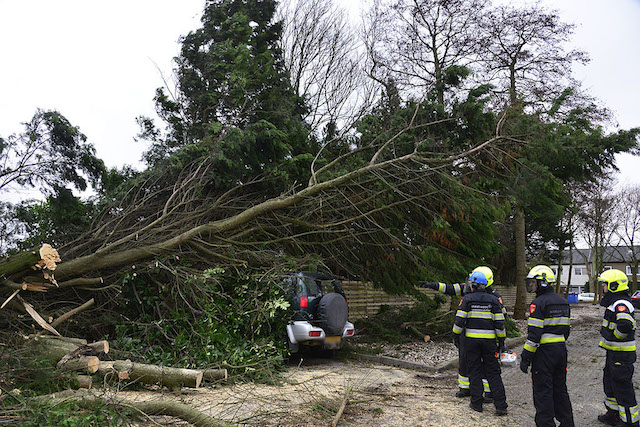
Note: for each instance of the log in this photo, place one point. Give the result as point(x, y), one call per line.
point(152, 374)
point(89, 400)
point(19, 263)
point(215, 374)
point(55, 349)
point(88, 364)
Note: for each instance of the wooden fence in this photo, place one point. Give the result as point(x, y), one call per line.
point(365, 300)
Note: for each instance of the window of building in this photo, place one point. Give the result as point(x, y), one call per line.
point(629, 270)
point(607, 267)
point(579, 271)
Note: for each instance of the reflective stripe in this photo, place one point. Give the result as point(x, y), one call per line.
point(498, 316)
point(619, 334)
point(463, 382)
point(501, 333)
point(605, 323)
point(538, 323)
point(556, 321)
point(618, 346)
point(611, 325)
point(630, 306)
point(611, 403)
point(485, 385)
point(462, 314)
point(625, 316)
point(531, 346)
point(457, 329)
point(633, 411)
point(480, 315)
point(457, 289)
point(442, 287)
point(480, 333)
point(550, 338)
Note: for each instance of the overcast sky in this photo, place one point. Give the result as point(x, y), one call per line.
point(99, 63)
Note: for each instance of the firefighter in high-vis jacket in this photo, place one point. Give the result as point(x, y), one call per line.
point(481, 321)
point(545, 349)
point(460, 290)
point(618, 338)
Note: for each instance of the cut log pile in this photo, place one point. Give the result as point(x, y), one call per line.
point(78, 356)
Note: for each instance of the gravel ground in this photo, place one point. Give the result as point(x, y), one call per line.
point(381, 395)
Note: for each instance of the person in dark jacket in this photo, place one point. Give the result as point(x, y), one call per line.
point(459, 290)
point(480, 319)
point(618, 338)
point(545, 349)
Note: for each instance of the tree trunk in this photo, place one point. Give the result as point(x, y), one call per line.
point(519, 237)
point(152, 374)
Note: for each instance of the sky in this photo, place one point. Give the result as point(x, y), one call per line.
point(99, 63)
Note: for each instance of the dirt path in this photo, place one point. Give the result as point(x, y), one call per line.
point(388, 396)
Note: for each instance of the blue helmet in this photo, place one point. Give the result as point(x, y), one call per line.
point(478, 278)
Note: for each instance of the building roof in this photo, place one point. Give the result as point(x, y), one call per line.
point(612, 254)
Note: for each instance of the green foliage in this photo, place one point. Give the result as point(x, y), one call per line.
point(214, 318)
point(511, 327)
point(72, 414)
point(388, 325)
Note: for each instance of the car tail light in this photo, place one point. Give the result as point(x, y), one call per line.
point(350, 331)
point(315, 333)
point(304, 302)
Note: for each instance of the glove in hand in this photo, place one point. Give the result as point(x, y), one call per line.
point(456, 340)
point(430, 285)
point(501, 346)
point(524, 363)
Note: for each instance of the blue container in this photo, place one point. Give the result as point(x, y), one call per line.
point(573, 298)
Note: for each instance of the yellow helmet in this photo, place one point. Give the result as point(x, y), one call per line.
point(487, 273)
point(615, 280)
point(540, 275)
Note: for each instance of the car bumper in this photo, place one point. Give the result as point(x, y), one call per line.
point(301, 332)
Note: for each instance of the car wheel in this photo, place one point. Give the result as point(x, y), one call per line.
point(333, 313)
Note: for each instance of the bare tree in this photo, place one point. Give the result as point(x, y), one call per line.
point(596, 204)
point(628, 217)
point(323, 56)
point(525, 56)
point(419, 43)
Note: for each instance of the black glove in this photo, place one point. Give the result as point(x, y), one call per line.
point(456, 340)
point(525, 361)
point(430, 285)
point(501, 347)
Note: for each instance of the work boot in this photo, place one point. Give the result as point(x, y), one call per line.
point(477, 408)
point(463, 392)
point(501, 412)
point(610, 417)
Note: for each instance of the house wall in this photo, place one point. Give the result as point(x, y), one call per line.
point(577, 280)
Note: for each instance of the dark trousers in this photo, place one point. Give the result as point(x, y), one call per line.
point(618, 386)
point(463, 372)
point(482, 359)
point(549, 376)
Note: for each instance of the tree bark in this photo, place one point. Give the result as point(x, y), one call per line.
point(519, 237)
point(89, 364)
point(152, 374)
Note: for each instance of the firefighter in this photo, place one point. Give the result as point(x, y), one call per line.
point(618, 338)
point(545, 349)
point(480, 320)
point(460, 290)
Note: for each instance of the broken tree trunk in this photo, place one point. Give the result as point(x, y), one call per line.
point(152, 374)
point(215, 374)
point(88, 364)
point(54, 349)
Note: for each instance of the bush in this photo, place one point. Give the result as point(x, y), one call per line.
point(216, 318)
